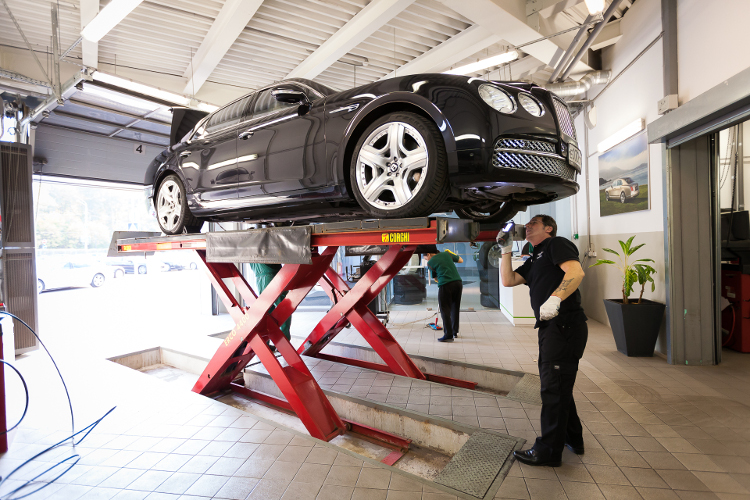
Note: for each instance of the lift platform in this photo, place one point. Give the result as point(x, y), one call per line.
point(313, 248)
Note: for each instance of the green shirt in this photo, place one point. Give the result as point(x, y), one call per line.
point(443, 267)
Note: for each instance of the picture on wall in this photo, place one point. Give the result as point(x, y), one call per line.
point(623, 177)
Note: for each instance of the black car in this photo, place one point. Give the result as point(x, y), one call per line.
point(403, 147)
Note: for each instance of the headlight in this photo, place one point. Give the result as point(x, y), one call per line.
point(531, 105)
point(497, 98)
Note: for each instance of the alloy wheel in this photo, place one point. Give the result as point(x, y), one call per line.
point(622, 197)
point(169, 204)
point(98, 280)
point(392, 165)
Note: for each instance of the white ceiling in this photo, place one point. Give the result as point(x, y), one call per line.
point(161, 36)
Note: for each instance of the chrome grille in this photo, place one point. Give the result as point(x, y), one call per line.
point(541, 146)
point(563, 116)
point(533, 163)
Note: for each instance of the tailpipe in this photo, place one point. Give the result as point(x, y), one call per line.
point(571, 89)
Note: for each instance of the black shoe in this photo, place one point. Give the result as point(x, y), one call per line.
point(578, 450)
point(455, 335)
point(532, 457)
point(445, 339)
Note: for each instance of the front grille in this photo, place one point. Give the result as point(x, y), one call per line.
point(533, 163)
point(541, 146)
point(563, 116)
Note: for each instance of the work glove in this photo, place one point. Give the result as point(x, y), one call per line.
point(550, 308)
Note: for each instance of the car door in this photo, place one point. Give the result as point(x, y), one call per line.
point(213, 152)
point(277, 144)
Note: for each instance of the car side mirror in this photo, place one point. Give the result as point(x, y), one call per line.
point(290, 96)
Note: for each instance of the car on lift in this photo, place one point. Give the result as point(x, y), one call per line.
point(402, 147)
point(622, 189)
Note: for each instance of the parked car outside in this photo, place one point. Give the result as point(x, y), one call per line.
point(179, 260)
point(72, 274)
point(622, 189)
point(140, 266)
point(403, 147)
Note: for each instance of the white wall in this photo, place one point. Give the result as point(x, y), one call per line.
point(633, 95)
point(711, 43)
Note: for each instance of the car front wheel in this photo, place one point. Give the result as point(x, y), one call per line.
point(142, 270)
point(172, 211)
point(399, 167)
point(622, 197)
point(606, 195)
point(39, 286)
point(98, 280)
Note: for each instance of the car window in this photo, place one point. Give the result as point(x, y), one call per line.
point(228, 115)
point(267, 103)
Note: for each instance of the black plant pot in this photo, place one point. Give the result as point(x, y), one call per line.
point(635, 326)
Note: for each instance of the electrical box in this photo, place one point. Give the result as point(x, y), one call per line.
point(668, 104)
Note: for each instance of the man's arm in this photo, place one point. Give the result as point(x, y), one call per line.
point(572, 279)
point(460, 260)
point(508, 275)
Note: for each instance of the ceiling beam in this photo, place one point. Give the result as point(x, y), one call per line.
point(232, 19)
point(370, 19)
point(609, 35)
point(89, 49)
point(548, 8)
point(455, 49)
point(507, 19)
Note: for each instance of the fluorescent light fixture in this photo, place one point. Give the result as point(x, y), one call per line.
point(478, 66)
point(595, 6)
point(626, 133)
point(141, 88)
point(109, 17)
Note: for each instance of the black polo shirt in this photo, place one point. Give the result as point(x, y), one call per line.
point(543, 275)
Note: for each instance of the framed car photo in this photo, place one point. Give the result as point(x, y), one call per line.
point(624, 176)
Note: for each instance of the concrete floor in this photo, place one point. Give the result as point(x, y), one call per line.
point(652, 430)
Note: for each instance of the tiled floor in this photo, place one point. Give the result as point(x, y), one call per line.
point(653, 431)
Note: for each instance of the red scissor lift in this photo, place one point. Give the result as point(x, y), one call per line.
point(255, 326)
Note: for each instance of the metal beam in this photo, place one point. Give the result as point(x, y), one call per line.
point(669, 44)
point(609, 35)
point(370, 19)
point(455, 49)
point(118, 112)
point(55, 15)
point(549, 8)
point(89, 49)
point(68, 89)
point(105, 123)
point(592, 37)
point(232, 19)
point(28, 46)
point(565, 59)
point(507, 19)
point(12, 75)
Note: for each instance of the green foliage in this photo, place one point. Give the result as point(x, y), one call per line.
point(632, 273)
point(79, 217)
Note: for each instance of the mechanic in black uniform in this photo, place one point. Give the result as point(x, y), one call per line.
point(450, 289)
point(553, 274)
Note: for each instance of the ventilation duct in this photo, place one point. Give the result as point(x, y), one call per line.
point(571, 89)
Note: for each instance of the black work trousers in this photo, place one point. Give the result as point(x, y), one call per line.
point(449, 300)
point(561, 346)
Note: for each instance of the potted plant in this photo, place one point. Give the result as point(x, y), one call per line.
point(635, 324)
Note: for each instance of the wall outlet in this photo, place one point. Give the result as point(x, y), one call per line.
point(591, 253)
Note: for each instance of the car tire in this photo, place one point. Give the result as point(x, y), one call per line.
point(172, 211)
point(142, 270)
point(411, 186)
point(606, 195)
point(193, 266)
point(39, 286)
point(98, 280)
point(119, 273)
point(622, 197)
point(495, 212)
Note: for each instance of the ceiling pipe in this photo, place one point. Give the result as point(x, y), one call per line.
point(570, 89)
point(565, 59)
point(592, 37)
